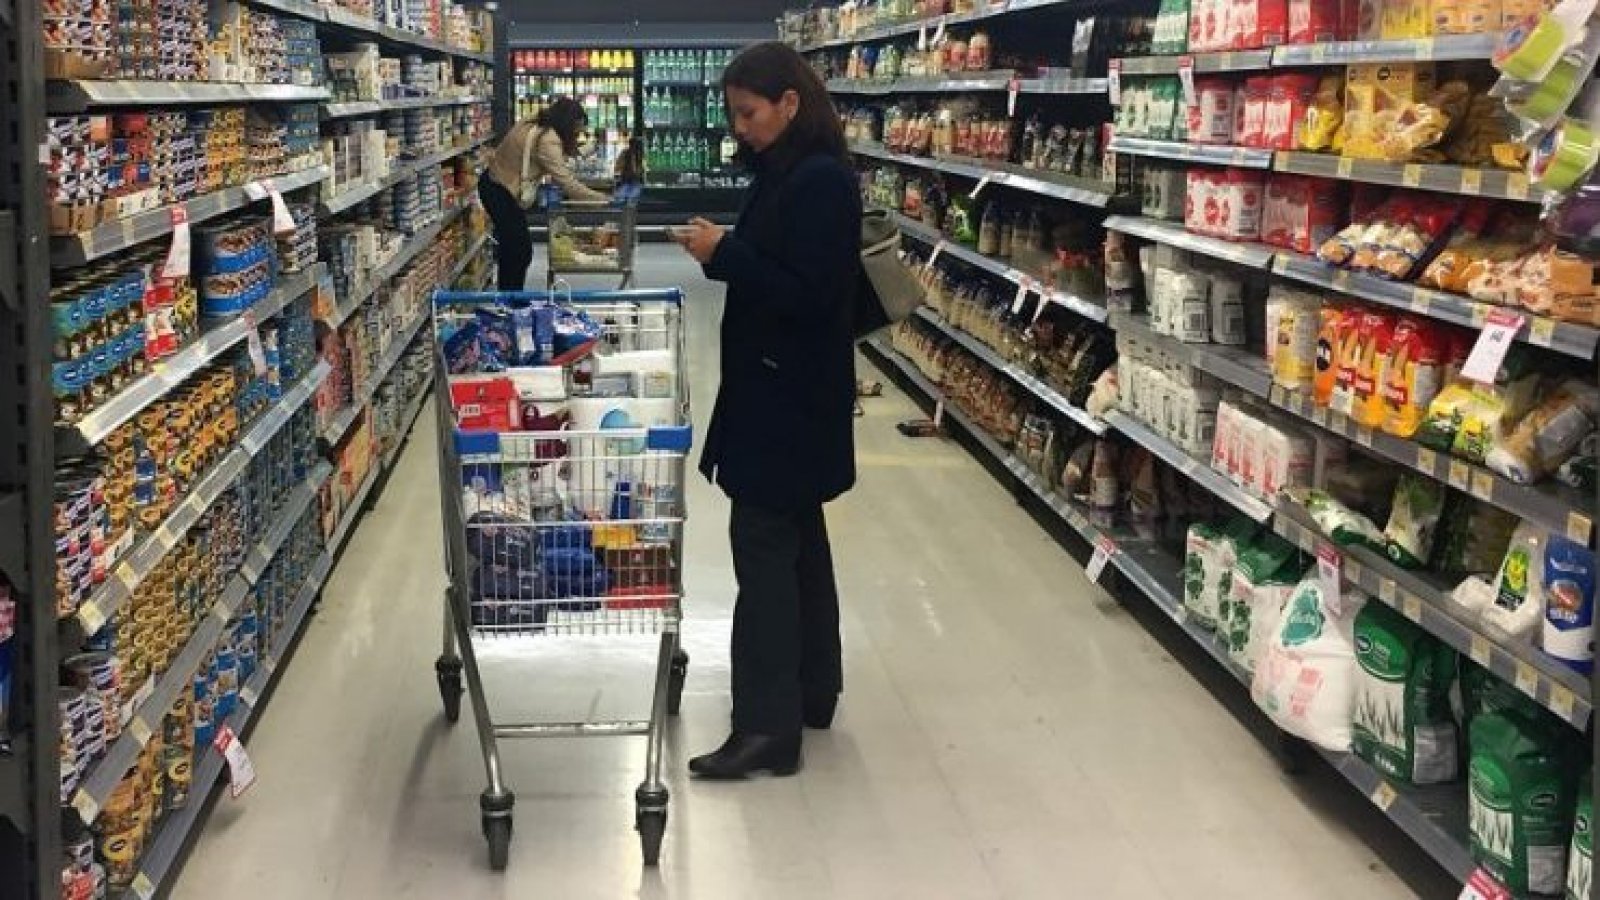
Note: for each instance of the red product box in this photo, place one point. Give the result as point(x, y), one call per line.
point(1300, 212)
point(1288, 98)
point(1257, 23)
point(1211, 119)
point(485, 403)
point(1321, 21)
point(1254, 94)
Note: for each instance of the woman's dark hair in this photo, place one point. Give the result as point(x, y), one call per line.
point(771, 69)
point(566, 118)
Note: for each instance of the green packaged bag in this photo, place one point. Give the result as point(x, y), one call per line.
point(1264, 575)
point(1580, 859)
point(1418, 502)
point(1523, 787)
point(1403, 724)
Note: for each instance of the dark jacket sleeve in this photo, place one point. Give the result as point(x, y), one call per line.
point(821, 209)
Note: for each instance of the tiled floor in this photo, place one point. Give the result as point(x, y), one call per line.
point(1007, 731)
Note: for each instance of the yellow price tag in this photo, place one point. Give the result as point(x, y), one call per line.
point(1460, 476)
point(1578, 527)
point(1421, 301)
point(1517, 186)
point(1364, 437)
point(1320, 416)
point(1341, 280)
point(1482, 485)
point(1563, 702)
point(1353, 571)
point(1387, 591)
point(1527, 679)
point(139, 730)
point(1412, 607)
point(1411, 175)
point(1346, 166)
point(1425, 48)
point(1278, 395)
point(143, 887)
point(1542, 332)
point(1224, 62)
point(1319, 53)
point(1384, 796)
point(1472, 181)
point(1480, 651)
point(1480, 314)
point(1427, 460)
point(91, 617)
point(86, 806)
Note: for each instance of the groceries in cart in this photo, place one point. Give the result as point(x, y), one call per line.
point(598, 246)
point(569, 509)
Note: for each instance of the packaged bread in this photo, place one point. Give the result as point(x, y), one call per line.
point(1346, 362)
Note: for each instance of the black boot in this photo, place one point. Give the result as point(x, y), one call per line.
point(817, 710)
point(743, 754)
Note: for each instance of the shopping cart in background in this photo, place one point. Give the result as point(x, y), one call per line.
point(590, 238)
point(563, 436)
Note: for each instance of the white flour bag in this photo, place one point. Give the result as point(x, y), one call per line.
point(1306, 678)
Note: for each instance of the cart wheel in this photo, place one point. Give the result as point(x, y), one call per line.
point(497, 831)
point(448, 671)
point(675, 679)
point(652, 825)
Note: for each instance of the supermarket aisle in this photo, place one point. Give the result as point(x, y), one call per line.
point(1007, 731)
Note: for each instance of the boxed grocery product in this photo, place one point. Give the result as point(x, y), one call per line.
point(1299, 212)
point(1257, 23)
point(1407, 19)
point(1376, 97)
point(1320, 21)
point(1212, 118)
point(1224, 203)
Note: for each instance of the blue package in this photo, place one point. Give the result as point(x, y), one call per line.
point(535, 334)
point(497, 340)
point(462, 352)
point(573, 329)
point(1569, 584)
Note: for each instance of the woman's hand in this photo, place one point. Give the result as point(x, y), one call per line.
point(700, 238)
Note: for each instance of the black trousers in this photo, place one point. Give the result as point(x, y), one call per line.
point(514, 243)
point(786, 619)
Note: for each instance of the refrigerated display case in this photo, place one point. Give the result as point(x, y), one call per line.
point(687, 139)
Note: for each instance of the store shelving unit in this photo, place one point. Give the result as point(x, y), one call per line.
point(1045, 184)
point(1435, 818)
point(914, 25)
point(968, 82)
point(33, 814)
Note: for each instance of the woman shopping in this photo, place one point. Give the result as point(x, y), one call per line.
point(780, 442)
point(531, 150)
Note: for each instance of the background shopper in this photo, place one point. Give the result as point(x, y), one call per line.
point(780, 442)
point(531, 150)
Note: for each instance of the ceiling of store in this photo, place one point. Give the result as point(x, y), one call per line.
point(527, 12)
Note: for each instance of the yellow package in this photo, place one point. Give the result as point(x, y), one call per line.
point(1372, 362)
point(1376, 96)
point(1318, 129)
point(1405, 19)
point(1294, 363)
point(1465, 16)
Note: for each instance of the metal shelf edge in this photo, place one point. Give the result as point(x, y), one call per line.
point(1196, 470)
point(1248, 254)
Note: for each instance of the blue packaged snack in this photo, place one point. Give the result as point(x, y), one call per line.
point(535, 333)
point(497, 341)
point(1569, 578)
point(461, 350)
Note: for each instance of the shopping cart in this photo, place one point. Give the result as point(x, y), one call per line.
point(591, 238)
point(562, 487)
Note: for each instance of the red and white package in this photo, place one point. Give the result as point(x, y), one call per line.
point(485, 403)
point(1253, 119)
point(1317, 21)
point(1211, 119)
point(1288, 99)
point(1299, 212)
point(1257, 23)
point(1208, 25)
point(1200, 201)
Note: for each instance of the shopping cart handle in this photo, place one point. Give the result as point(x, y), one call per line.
point(446, 299)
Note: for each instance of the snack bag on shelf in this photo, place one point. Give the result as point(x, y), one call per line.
point(1333, 324)
point(1413, 375)
point(1257, 23)
point(1320, 21)
point(1574, 295)
point(1299, 320)
point(1523, 779)
point(1347, 363)
point(1321, 127)
point(1264, 575)
point(1346, 526)
point(1472, 536)
point(1212, 118)
point(1305, 680)
point(1407, 19)
point(1403, 724)
point(1580, 860)
point(1517, 600)
point(1466, 419)
point(1377, 96)
point(1413, 518)
point(1376, 338)
point(1549, 435)
point(1483, 138)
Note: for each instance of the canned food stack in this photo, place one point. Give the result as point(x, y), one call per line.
point(303, 52)
point(403, 206)
point(82, 876)
point(235, 264)
point(81, 171)
point(302, 136)
point(83, 532)
point(338, 247)
point(419, 78)
point(174, 152)
point(266, 143)
point(100, 323)
point(425, 133)
point(220, 134)
point(162, 40)
point(278, 587)
point(346, 149)
point(297, 251)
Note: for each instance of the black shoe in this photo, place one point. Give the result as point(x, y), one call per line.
point(817, 712)
point(743, 754)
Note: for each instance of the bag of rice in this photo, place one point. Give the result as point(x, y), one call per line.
point(1200, 573)
point(1418, 502)
point(1523, 789)
point(1403, 722)
point(1344, 525)
point(1580, 859)
point(1264, 576)
point(1518, 608)
point(1305, 680)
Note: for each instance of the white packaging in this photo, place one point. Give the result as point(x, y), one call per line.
point(1225, 439)
point(1274, 315)
point(1193, 322)
point(1211, 119)
point(1299, 319)
point(1162, 290)
point(1227, 311)
point(1290, 459)
point(1306, 678)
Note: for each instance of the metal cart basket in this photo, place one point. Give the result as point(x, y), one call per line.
point(562, 488)
point(591, 238)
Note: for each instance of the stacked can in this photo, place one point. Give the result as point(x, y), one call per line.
point(77, 37)
point(157, 783)
point(266, 143)
point(81, 525)
point(235, 264)
point(82, 877)
point(303, 52)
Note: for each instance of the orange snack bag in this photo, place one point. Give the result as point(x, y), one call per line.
point(1372, 361)
point(1335, 320)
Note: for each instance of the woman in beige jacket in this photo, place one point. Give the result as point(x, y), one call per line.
point(530, 151)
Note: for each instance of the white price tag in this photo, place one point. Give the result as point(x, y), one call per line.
point(1020, 300)
point(140, 731)
point(91, 618)
point(241, 774)
point(1114, 81)
point(1104, 549)
point(1483, 886)
point(255, 190)
point(282, 219)
point(1012, 90)
point(922, 37)
point(938, 32)
point(1499, 330)
point(177, 264)
point(142, 886)
point(982, 183)
point(937, 249)
point(1328, 563)
point(86, 806)
point(1191, 98)
point(258, 353)
point(938, 413)
point(1044, 303)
